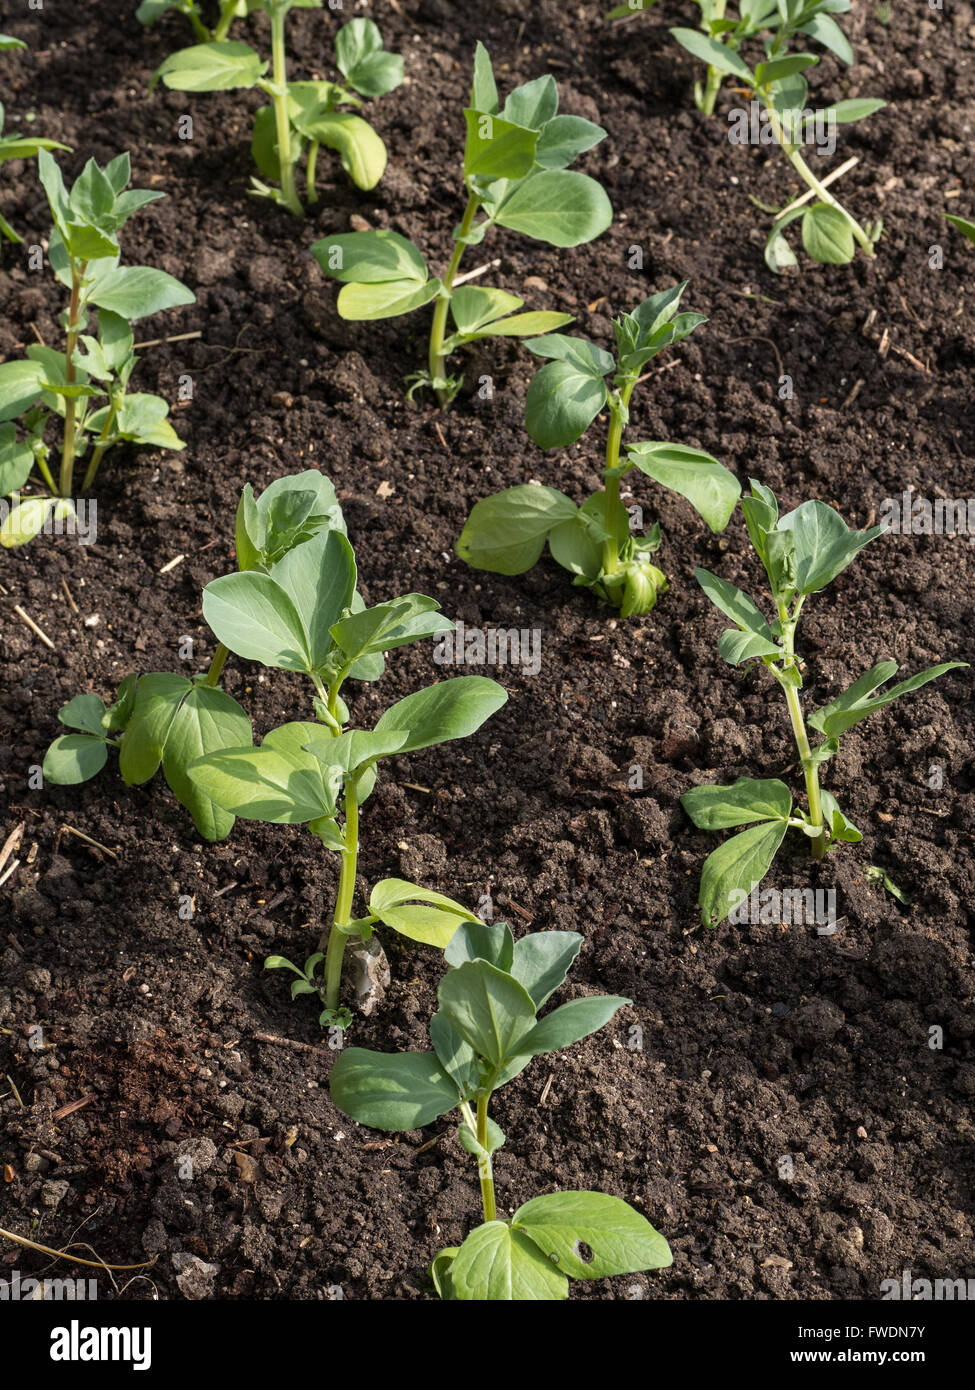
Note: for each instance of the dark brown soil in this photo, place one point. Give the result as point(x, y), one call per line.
point(759, 1042)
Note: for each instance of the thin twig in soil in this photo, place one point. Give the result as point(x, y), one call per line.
point(80, 834)
point(26, 618)
point(69, 596)
point(11, 843)
point(16, 1093)
point(72, 1259)
point(823, 183)
point(176, 338)
point(289, 1042)
point(473, 274)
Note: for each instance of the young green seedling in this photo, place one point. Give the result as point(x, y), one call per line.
point(301, 116)
point(152, 10)
point(782, 20)
point(48, 385)
point(801, 552)
point(13, 146)
point(507, 533)
point(516, 173)
point(830, 234)
point(293, 606)
point(485, 1034)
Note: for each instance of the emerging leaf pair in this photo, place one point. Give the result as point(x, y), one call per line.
point(294, 605)
point(830, 234)
point(506, 534)
point(802, 552)
point(486, 1032)
point(301, 116)
point(70, 386)
point(516, 172)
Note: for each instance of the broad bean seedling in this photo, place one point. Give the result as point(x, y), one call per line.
point(301, 116)
point(486, 1032)
point(515, 172)
point(801, 553)
point(507, 533)
point(85, 256)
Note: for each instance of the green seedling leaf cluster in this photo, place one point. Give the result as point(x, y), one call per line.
point(830, 234)
point(84, 390)
point(300, 117)
point(516, 174)
point(152, 10)
point(801, 553)
point(507, 533)
point(485, 1033)
point(16, 146)
point(294, 606)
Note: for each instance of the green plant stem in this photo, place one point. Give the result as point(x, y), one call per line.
point(335, 940)
point(817, 847)
point(810, 179)
point(611, 481)
point(310, 167)
point(70, 404)
point(199, 28)
point(217, 665)
point(278, 88)
point(485, 1170)
point(8, 231)
point(100, 447)
point(437, 356)
point(227, 13)
point(46, 474)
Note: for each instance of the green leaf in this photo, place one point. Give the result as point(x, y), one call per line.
point(451, 709)
point(859, 701)
point(966, 228)
point(7, 42)
point(264, 143)
point(577, 544)
point(736, 646)
point(499, 1264)
point(16, 461)
point(388, 300)
point(716, 55)
point(533, 104)
point(354, 749)
point(476, 940)
point(709, 487)
point(319, 577)
point(542, 960)
point(827, 32)
point(736, 867)
point(397, 1090)
point(276, 782)
point(158, 697)
point(136, 291)
point(26, 520)
point(778, 68)
point(840, 829)
point(620, 1240)
point(497, 148)
point(484, 94)
point(748, 799)
point(440, 1272)
point(74, 758)
point(87, 712)
point(457, 1057)
point(557, 206)
point(853, 109)
point(736, 605)
point(361, 151)
point(564, 138)
point(418, 913)
point(827, 235)
point(469, 1140)
point(779, 255)
point(20, 387)
point(211, 67)
point(370, 257)
point(389, 625)
point(568, 1024)
point(362, 60)
point(562, 402)
point(522, 325)
point(207, 720)
point(472, 306)
point(824, 544)
point(505, 534)
point(257, 619)
point(488, 1008)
